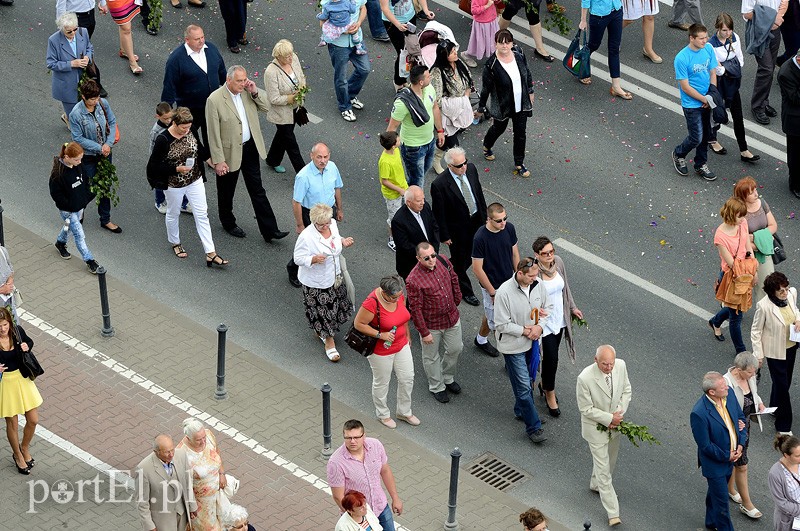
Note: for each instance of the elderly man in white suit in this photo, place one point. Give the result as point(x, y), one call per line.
point(604, 392)
point(166, 500)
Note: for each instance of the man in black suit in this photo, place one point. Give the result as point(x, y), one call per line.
point(460, 209)
point(789, 81)
point(413, 223)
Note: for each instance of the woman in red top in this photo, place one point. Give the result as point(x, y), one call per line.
point(389, 323)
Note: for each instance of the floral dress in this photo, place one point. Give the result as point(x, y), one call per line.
point(205, 467)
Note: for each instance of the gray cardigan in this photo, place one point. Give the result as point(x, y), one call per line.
point(569, 305)
point(786, 509)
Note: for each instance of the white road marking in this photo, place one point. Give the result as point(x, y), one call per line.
point(143, 382)
point(314, 119)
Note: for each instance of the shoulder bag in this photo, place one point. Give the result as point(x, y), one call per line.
point(779, 252)
point(577, 59)
point(29, 366)
point(108, 129)
point(359, 341)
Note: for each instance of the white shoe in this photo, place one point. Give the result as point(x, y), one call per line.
point(349, 115)
point(392, 245)
point(735, 498)
point(468, 60)
point(187, 209)
point(162, 208)
point(356, 103)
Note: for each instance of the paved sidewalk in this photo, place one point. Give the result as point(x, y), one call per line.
point(111, 396)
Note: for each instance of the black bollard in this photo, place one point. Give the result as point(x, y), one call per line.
point(451, 524)
point(326, 421)
point(586, 525)
point(2, 237)
point(221, 393)
point(107, 330)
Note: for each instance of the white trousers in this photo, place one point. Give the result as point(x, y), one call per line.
point(382, 366)
point(604, 458)
point(196, 194)
point(440, 368)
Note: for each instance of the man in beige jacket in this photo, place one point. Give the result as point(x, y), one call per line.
point(166, 500)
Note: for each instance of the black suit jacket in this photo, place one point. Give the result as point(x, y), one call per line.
point(450, 207)
point(789, 81)
point(407, 234)
point(186, 84)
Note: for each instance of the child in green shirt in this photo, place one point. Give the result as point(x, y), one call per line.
point(393, 179)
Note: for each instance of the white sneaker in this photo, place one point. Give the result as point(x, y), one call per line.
point(162, 207)
point(391, 245)
point(187, 209)
point(349, 115)
point(356, 103)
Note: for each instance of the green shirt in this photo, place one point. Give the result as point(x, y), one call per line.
point(409, 134)
point(390, 167)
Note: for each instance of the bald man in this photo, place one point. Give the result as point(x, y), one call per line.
point(166, 500)
point(412, 224)
point(603, 393)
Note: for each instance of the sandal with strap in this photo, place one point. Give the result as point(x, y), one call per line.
point(332, 354)
point(522, 171)
point(216, 260)
point(625, 95)
point(179, 251)
point(125, 56)
point(488, 154)
point(586, 80)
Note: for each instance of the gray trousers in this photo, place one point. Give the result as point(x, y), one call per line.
point(765, 73)
point(683, 9)
point(440, 368)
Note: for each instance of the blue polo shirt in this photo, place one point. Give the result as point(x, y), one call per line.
point(312, 186)
point(601, 8)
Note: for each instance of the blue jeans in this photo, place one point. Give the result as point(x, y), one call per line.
point(735, 324)
point(386, 519)
point(159, 195)
point(76, 229)
point(417, 160)
point(517, 369)
point(374, 19)
point(345, 88)
point(698, 122)
point(597, 26)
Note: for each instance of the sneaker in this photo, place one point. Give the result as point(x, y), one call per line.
point(392, 245)
point(93, 266)
point(348, 115)
point(680, 164)
point(62, 250)
point(538, 436)
point(356, 103)
point(468, 60)
point(187, 209)
point(382, 38)
point(161, 207)
point(705, 173)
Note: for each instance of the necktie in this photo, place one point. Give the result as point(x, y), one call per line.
point(609, 384)
point(168, 467)
point(467, 195)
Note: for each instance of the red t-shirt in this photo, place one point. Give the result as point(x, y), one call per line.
point(398, 318)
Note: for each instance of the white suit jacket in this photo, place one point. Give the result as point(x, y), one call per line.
point(595, 403)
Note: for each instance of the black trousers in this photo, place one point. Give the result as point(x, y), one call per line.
point(251, 173)
point(735, 106)
point(398, 39)
point(291, 267)
point(550, 346)
point(234, 13)
point(199, 124)
point(461, 254)
point(284, 142)
point(519, 122)
point(781, 372)
point(793, 161)
point(86, 20)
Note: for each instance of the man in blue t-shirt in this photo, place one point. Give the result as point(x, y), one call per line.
point(494, 258)
point(695, 70)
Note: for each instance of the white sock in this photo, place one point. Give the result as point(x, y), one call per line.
point(482, 340)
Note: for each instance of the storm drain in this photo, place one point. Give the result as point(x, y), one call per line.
point(496, 472)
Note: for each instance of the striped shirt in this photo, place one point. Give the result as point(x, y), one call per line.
point(346, 471)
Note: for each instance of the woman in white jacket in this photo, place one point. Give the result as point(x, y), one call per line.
point(358, 515)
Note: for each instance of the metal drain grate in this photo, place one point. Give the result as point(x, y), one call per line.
point(496, 472)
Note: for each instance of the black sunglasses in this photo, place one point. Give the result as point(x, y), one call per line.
point(429, 258)
point(460, 165)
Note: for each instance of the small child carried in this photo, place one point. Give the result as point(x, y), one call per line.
point(336, 15)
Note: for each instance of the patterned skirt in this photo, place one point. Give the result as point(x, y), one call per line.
point(327, 309)
point(122, 11)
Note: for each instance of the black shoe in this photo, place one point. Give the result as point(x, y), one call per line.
point(554, 412)
point(236, 231)
point(27, 470)
point(770, 111)
point(537, 436)
point(6, 2)
point(760, 117)
point(453, 388)
point(442, 397)
point(150, 31)
point(382, 38)
point(62, 250)
point(472, 300)
point(93, 266)
point(487, 349)
point(115, 230)
point(103, 93)
point(795, 192)
point(719, 337)
point(680, 164)
point(279, 235)
point(750, 159)
point(235, 49)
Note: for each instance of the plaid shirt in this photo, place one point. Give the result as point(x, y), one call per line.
point(434, 296)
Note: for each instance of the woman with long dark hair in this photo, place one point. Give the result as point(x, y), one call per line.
point(453, 83)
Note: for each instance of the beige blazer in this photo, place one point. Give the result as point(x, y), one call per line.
point(165, 502)
point(279, 87)
point(595, 403)
point(225, 127)
point(768, 333)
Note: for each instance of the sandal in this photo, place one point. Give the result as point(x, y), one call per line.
point(136, 70)
point(586, 80)
point(332, 354)
point(125, 56)
point(488, 154)
point(625, 95)
point(522, 171)
point(216, 260)
point(179, 251)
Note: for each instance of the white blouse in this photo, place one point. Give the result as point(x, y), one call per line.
point(310, 243)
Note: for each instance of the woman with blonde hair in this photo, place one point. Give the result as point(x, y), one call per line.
point(208, 474)
point(283, 78)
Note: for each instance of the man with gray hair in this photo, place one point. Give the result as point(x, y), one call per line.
point(164, 482)
point(718, 428)
point(412, 224)
point(235, 143)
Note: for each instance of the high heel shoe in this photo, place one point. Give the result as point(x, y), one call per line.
point(553, 412)
point(216, 260)
point(541, 390)
point(24, 471)
point(31, 462)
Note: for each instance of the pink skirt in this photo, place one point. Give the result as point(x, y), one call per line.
point(481, 39)
point(123, 11)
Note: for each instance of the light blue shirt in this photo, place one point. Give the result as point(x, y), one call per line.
point(73, 43)
point(458, 183)
point(601, 8)
point(345, 40)
point(403, 11)
point(695, 66)
point(312, 186)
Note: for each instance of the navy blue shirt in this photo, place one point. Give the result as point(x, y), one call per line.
point(496, 249)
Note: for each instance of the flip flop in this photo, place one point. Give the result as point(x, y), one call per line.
point(332, 354)
point(586, 80)
point(625, 95)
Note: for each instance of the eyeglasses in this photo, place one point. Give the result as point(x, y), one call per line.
point(547, 253)
point(322, 225)
point(429, 258)
point(353, 438)
point(460, 165)
point(499, 221)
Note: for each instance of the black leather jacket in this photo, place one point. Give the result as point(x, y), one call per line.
point(495, 82)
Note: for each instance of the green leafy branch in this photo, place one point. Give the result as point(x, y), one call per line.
point(577, 321)
point(300, 97)
point(556, 19)
point(105, 183)
point(156, 14)
point(633, 432)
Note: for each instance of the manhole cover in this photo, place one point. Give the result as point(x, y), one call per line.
point(496, 472)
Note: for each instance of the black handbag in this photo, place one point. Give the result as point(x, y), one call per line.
point(361, 342)
point(29, 366)
point(300, 116)
point(778, 253)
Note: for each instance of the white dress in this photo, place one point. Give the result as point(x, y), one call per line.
point(636, 9)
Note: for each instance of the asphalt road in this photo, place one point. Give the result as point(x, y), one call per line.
point(602, 180)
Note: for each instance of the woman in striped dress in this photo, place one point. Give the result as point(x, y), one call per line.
point(123, 12)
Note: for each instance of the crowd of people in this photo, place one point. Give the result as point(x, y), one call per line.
point(208, 120)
